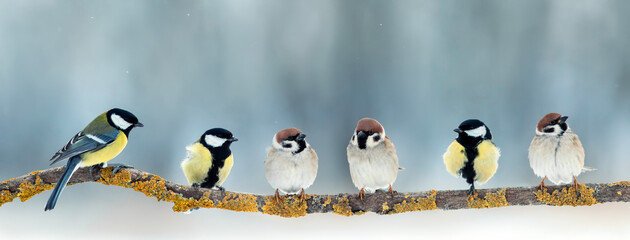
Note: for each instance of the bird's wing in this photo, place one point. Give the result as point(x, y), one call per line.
point(82, 143)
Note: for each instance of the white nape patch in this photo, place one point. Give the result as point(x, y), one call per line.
point(120, 122)
point(370, 143)
point(95, 138)
point(275, 144)
point(477, 132)
point(214, 141)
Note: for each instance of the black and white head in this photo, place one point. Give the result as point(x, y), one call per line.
point(552, 124)
point(217, 138)
point(290, 140)
point(472, 131)
point(369, 133)
point(122, 120)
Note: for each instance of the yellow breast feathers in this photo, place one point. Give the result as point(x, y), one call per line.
point(197, 163)
point(105, 154)
point(486, 163)
point(225, 170)
point(454, 158)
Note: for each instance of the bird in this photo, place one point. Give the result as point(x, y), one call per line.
point(472, 154)
point(100, 141)
point(209, 159)
point(372, 158)
point(291, 163)
point(556, 152)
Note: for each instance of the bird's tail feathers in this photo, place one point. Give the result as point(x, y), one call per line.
point(73, 164)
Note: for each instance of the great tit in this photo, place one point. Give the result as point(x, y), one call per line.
point(291, 163)
point(372, 158)
point(209, 159)
point(103, 139)
point(556, 152)
point(472, 155)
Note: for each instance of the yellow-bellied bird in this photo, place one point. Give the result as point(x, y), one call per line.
point(472, 155)
point(372, 158)
point(209, 159)
point(556, 152)
point(103, 139)
point(291, 163)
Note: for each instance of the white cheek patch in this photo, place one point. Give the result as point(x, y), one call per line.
point(477, 132)
point(294, 146)
point(120, 122)
point(556, 131)
point(214, 141)
point(370, 140)
point(354, 140)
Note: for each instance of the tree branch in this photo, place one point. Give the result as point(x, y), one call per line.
point(186, 198)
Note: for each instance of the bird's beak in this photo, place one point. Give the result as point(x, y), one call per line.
point(457, 130)
point(300, 137)
point(563, 119)
point(138, 125)
point(233, 139)
point(362, 134)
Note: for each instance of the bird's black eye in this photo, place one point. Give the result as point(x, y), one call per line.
point(370, 133)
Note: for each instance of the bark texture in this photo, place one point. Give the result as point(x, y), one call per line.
point(186, 198)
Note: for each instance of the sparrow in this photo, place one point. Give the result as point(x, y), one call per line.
point(209, 159)
point(472, 154)
point(291, 163)
point(556, 153)
point(100, 141)
point(372, 158)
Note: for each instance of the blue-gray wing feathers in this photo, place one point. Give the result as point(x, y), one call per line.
point(82, 143)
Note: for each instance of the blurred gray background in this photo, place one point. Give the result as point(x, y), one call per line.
point(256, 67)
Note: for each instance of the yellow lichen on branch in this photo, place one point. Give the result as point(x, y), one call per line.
point(568, 196)
point(6, 196)
point(416, 204)
point(185, 204)
point(622, 183)
point(238, 202)
point(287, 207)
point(28, 190)
point(185, 198)
point(491, 200)
point(342, 207)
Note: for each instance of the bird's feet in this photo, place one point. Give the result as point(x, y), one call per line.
point(277, 197)
point(391, 190)
point(576, 184)
point(302, 196)
point(118, 166)
point(361, 194)
point(471, 191)
point(100, 166)
point(541, 186)
point(220, 188)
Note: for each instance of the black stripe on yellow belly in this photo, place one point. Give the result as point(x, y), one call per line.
point(219, 155)
point(468, 171)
